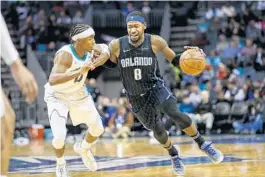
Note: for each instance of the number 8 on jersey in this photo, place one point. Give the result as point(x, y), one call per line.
point(137, 74)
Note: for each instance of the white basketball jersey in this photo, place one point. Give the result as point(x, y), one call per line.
point(77, 83)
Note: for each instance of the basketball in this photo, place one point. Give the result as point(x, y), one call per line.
point(192, 62)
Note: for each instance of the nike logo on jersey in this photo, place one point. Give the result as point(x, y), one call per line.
point(126, 50)
point(145, 48)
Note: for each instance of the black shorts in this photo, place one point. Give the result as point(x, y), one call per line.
point(147, 107)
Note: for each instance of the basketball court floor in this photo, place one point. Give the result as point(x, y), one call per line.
point(244, 157)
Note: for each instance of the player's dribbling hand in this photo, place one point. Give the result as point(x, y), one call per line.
point(196, 48)
point(25, 81)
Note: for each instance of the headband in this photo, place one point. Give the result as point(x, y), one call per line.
point(84, 34)
point(135, 18)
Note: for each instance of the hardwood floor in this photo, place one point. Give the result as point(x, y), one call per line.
point(244, 157)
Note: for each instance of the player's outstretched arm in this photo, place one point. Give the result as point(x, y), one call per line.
point(114, 47)
point(25, 80)
point(21, 74)
point(101, 54)
point(161, 45)
point(62, 62)
point(111, 60)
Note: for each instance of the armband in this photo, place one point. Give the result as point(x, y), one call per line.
point(175, 60)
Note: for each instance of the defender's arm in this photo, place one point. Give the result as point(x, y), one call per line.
point(101, 54)
point(113, 49)
point(62, 62)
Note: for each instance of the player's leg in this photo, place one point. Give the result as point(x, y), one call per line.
point(58, 112)
point(94, 123)
point(149, 118)
point(162, 137)
point(92, 119)
point(7, 131)
point(58, 126)
point(169, 107)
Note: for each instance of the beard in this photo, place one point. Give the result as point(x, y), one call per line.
point(135, 40)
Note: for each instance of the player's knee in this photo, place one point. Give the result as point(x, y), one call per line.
point(183, 120)
point(58, 143)
point(97, 129)
point(96, 132)
point(159, 129)
point(160, 133)
point(170, 108)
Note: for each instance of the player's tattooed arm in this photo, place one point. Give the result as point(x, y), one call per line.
point(62, 62)
point(114, 48)
point(160, 45)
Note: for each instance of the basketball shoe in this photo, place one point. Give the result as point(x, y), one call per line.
point(215, 155)
point(87, 156)
point(177, 164)
point(62, 171)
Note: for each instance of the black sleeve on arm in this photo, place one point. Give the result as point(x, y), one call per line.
point(175, 60)
point(109, 64)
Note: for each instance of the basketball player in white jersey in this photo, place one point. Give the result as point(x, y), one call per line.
point(27, 85)
point(65, 92)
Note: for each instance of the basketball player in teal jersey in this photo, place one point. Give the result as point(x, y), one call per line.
point(65, 93)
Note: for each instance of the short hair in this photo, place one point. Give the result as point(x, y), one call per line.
point(135, 13)
point(78, 28)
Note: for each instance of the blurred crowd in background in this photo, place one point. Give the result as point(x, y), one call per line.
point(45, 25)
point(227, 97)
point(233, 38)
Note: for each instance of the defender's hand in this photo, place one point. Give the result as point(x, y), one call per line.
point(96, 55)
point(97, 51)
point(25, 80)
point(87, 67)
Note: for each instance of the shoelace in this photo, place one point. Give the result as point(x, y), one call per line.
point(177, 162)
point(209, 149)
point(66, 170)
point(61, 171)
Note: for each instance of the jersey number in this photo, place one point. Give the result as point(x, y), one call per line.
point(137, 74)
point(79, 78)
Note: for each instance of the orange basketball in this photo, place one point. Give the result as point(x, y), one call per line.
point(192, 62)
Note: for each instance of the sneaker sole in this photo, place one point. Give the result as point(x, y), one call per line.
point(175, 173)
point(219, 160)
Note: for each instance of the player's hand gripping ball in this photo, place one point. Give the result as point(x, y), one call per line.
point(192, 61)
